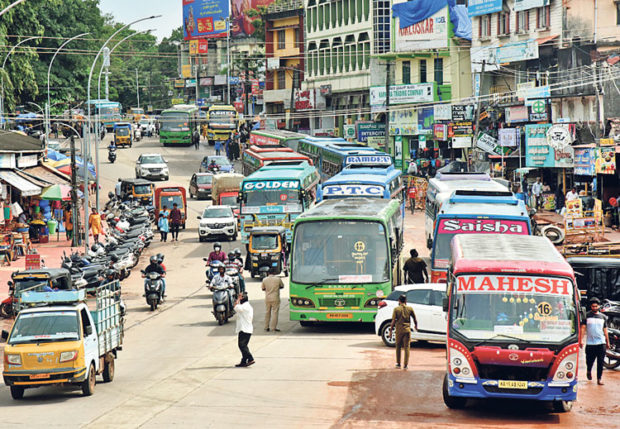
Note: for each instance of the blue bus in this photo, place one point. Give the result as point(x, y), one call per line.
point(275, 195)
point(330, 155)
point(108, 112)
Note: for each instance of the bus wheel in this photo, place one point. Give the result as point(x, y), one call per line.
point(452, 402)
point(562, 406)
point(306, 323)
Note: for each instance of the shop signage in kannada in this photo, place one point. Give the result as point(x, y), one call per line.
point(461, 129)
point(516, 114)
point(584, 162)
point(539, 153)
point(607, 142)
point(440, 131)
point(442, 112)
point(508, 137)
point(538, 117)
point(402, 94)
point(462, 112)
point(369, 129)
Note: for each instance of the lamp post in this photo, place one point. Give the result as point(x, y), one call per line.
point(2, 75)
point(89, 121)
point(48, 106)
point(75, 218)
point(97, 119)
point(11, 6)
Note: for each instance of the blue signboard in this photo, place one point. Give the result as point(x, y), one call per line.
point(483, 7)
point(204, 18)
point(369, 129)
point(426, 119)
point(584, 162)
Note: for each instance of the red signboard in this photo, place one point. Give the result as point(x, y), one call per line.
point(304, 100)
point(263, 140)
point(514, 283)
point(33, 262)
point(482, 226)
point(203, 46)
point(239, 106)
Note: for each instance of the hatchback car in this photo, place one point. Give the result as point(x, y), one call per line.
point(215, 221)
point(152, 166)
point(426, 299)
point(200, 185)
point(223, 164)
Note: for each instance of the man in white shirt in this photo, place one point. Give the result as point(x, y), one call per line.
point(537, 192)
point(244, 328)
point(572, 195)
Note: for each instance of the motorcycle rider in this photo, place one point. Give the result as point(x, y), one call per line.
point(221, 279)
point(238, 257)
point(217, 254)
point(213, 167)
point(154, 266)
point(233, 263)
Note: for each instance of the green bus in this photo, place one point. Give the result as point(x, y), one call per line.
point(345, 257)
point(179, 125)
point(271, 138)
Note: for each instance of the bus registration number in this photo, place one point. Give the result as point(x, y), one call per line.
point(512, 384)
point(340, 315)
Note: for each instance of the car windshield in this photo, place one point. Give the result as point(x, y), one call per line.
point(30, 284)
point(122, 132)
point(45, 326)
point(169, 200)
point(217, 212)
point(529, 308)
point(141, 189)
point(219, 160)
point(204, 180)
point(340, 251)
point(151, 159)
point(230, 201)
point(448, 228)
point(264, 242)
point(174, 121)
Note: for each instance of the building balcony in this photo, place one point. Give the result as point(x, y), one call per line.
point(277, 96)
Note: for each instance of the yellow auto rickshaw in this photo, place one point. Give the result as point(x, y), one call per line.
point(123, 135)
point(268, 251)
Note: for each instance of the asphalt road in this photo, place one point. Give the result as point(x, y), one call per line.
point(177, 365)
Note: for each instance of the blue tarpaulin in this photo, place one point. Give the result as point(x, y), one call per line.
point(461, 21)
point(412, 12)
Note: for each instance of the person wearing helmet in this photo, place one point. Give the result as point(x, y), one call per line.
point(233, 264)
point(154, 266)
point(238, 257)
point(217, 254)
point(110, 275)
point(221, 279)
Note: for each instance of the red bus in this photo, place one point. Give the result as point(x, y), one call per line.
point(256, 157)
point(513, 321)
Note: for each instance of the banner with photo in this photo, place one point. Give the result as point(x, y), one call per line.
point(204, 18)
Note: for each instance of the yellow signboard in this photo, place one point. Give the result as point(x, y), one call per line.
point(186, 70)
point(176, 101)
point(179, 83)
point(193, 47)
point(607, 142)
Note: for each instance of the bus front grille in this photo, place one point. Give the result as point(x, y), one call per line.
point(339, 302)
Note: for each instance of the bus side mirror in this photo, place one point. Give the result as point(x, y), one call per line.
point(444, 304)
point(582, 312)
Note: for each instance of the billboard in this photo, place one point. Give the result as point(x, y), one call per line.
point(430, 33)
point(204, 18)
point(241, 23)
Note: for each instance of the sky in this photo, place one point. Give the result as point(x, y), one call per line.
point(126, 11)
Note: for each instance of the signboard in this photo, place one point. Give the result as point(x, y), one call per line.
point(607, 142)
point(558, 136)
point(538, 152)
point(539, 117)
point(348, 131)
point(366, 130)
point(190, 83)
point(353, 190)
point(273, 63)
point(422, 142)
point(425, 120)
point(204, 18)
point(574, 208)
point(508, 137)
point(33, 262)
point(241, 23)
point(325, 90)
point(522, 89)
point(442, 112)
point(538, 93)
point(529, 4)
point(584, 162)
point(179, 83)
point(398, 151)
point(488, 144)
point(461, 142)
point(605, 160)
point(517, 51)
point(402, 94)
point(461, 129)
point(403, 122)
point(369, 160)
point(27, 161)
point(186, 70)
point(176, 101)
point(440, 132)
point(483, 7)
point(430, 33)
point(461, 112)
point(206, 81)
point(304, 99)
point(516, 114)
point(376, 142)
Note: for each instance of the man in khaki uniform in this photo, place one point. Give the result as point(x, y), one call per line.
point(272, 285)
point(401, 317)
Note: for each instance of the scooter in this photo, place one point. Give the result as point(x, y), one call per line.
point(212, 269)
point(7, 306)
point(112, 154)
point(223, 297)
point(153, 289)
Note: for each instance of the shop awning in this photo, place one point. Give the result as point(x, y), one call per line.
point(26, 187)
point(49, 175)
point(543, 40)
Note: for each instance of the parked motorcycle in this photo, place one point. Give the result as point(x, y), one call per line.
point(112, 154)
point(612, 354)
point(7, 308)
point(153, 289)
point(611, 309)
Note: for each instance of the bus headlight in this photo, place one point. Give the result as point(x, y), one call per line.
point(567, 362)
point(302, 302)
point(459, 366)
point(372, 302)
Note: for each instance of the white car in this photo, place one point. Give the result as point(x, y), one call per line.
point(217, 220)
point(152, 166)
point(426, 299)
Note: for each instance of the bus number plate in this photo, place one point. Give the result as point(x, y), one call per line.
point(39, 376)
point(339, 315)
point(512, 384)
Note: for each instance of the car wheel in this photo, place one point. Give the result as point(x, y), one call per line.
point(388, 340)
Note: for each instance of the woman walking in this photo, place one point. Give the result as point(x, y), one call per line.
point(162, 224)
point(94, 223)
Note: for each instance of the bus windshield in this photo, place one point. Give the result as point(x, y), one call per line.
point(447, 228)
point(273, 197)
point(109, 110)
point(45, 326)
point(340, 251)
point(174, 121)
point(491, 306)
point(229, 200)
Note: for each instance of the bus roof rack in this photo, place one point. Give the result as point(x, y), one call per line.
point(483, 197)
point(61, 297)
point(461, 176)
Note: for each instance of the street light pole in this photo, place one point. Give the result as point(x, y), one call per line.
point(75, 218)
point(49, 69)
point(9, 7)
point(2, 75)
point(89, 121)
point(137, 89)
point(228, 60)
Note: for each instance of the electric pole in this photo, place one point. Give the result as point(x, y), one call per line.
point(137, 88)
point(387, 107)
point(476, 132)
point(292, 108)
point(246, 66)
point(75, 218)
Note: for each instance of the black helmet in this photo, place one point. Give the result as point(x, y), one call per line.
point(160, 258)
point(110, 195)
point(93, 247)
point(153, 259)
point(110, 273)
point(237, 252)
point(217, 244)
point(231, 255)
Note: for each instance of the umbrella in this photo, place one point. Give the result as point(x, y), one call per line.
point(60, 163)
point(56, 193)
point(53, 155)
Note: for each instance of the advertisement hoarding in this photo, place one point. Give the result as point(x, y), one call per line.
point(430, 33)
point(442, 112)
point(402, 94)
point(462, 112)
point(605, 160)
point(241, 22)
point(369, 129)
point(516, 114)
point(539, 153)
point(483, 7)
point(204, 18)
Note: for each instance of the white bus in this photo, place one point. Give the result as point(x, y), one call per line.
point(443, 185)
